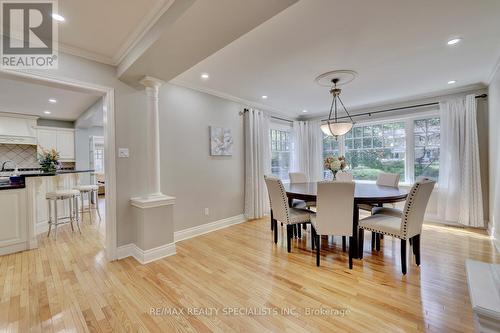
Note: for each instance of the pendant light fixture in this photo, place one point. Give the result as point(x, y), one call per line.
point(334, 126)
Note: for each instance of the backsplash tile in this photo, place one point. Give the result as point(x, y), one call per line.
point(25, 156)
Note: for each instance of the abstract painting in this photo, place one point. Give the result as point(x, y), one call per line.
point(221, 141)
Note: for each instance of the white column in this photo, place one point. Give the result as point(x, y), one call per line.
point(153, 140)
point(152, 212)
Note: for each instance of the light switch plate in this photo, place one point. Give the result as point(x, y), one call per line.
point(123, 152)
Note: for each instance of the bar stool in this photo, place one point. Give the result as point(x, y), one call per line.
point(91, 191)
point(54, 219)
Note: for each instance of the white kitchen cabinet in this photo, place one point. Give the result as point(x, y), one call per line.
point(13, 221)
point(66, 145)
point(60, 139)
point(46, 139)
point(17, 129)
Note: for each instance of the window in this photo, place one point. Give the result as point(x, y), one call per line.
point(427, 137)
point(331, 147)
point(407, 146)
point(280, 152)
point(99, 158)
point(371, 149)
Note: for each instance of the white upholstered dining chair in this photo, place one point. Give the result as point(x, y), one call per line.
point(334, 214)
point(281, 212)
point(297, 178)
point(344, 177)
point(406, 226)
point(383, 179)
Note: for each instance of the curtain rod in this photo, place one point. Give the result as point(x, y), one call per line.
point(274, 117)
point(369, 114)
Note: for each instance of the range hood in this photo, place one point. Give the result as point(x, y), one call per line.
point(17, 129)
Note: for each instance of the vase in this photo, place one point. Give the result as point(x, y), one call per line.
point(48, 168)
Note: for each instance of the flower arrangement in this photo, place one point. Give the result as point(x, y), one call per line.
point(335, 164)
point(49, 160)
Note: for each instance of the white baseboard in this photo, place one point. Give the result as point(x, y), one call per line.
point(208, 227)
point(494, 237)
point(435, 219)
point(41, 227)
point(13, 248)
point(145, 256)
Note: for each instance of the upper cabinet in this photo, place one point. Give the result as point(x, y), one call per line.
point(17, 129)
point(60, 139)
point(66, 145)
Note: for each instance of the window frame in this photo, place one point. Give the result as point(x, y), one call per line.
point(279, 126)
point(409, 121)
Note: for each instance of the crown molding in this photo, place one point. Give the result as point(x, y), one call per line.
point(4, 113)
point(245, 102)
point(432, 97)
point(137, 34)
point(79, 52)
point(144, 26)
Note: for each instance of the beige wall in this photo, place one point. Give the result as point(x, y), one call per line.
point(189, 173)
point(494, 149)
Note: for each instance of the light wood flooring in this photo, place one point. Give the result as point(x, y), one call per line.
point(256, 286)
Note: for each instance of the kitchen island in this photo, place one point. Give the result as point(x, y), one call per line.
point(24, 209)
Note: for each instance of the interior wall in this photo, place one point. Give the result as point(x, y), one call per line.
point(93, 116)
point(189, 173)
point(82, 149)
point(494, 151)
point(130, 127)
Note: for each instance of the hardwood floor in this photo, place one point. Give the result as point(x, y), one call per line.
point(67, 285)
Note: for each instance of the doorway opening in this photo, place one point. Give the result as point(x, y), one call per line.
point(84, 113)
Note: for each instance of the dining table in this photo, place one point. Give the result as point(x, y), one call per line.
point(364, 193)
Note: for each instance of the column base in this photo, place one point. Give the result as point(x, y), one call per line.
point(152, 200)
point(154, 223)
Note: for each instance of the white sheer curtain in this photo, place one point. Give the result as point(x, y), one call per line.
point(257, 163)
point(307, 154)
point(459, 187)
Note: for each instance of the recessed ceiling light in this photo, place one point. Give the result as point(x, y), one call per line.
point(47, 112)
point(454, 41)
point(264, 97)
point(58, 17)
point(452, 82)
point(205, 76)
point(52, 100)
point(304, 111)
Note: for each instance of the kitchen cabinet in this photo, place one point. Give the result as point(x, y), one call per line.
point(17, 129)
point(60, 139)
point(66, 145)
point(13, 221)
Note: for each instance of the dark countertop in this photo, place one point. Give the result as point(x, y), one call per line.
point(38, 174)
point(11, 186)
point(48, 174)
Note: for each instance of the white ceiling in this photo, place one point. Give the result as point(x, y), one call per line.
point(191, 30)
point(105, 30)
point(22, 97)
point(397, 47)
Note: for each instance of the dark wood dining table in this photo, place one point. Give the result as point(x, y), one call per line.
point(364, 193)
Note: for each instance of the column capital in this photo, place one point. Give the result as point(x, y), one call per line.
point(151, 82)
